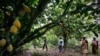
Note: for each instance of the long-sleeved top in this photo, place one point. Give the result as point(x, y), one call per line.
point(61, 42)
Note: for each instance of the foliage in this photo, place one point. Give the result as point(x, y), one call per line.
point(73, 42)
point(39, 16)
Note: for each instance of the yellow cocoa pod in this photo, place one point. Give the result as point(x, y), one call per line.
point(26, 8)
point(2, 42)
point(21, 13)
point(10, 48)
point(13, 29)
point(17, 23)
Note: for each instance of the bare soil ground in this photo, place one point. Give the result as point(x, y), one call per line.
point(52, 52)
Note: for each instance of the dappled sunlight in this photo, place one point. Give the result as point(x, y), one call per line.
point(49, 27)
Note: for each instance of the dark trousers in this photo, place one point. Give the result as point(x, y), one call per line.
point(61, 49)
point(45, 46)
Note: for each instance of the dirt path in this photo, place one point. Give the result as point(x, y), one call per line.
point(51, 52)
point(66, 53)
point(55, 52)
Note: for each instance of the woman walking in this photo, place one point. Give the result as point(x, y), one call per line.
point(94, 46)
point(84, 47)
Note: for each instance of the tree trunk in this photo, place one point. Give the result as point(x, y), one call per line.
point(65, 39)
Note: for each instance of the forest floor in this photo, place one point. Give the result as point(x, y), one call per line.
point(51, 52)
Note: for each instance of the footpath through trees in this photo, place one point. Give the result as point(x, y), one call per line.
point(51, 52)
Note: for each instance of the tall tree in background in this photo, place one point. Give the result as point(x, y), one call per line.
point(18, 19)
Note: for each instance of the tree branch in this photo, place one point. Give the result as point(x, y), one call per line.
point(35, 14)
point(84, 8)
point(37, 35)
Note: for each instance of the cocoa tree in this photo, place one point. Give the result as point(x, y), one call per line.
point(18, 16)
